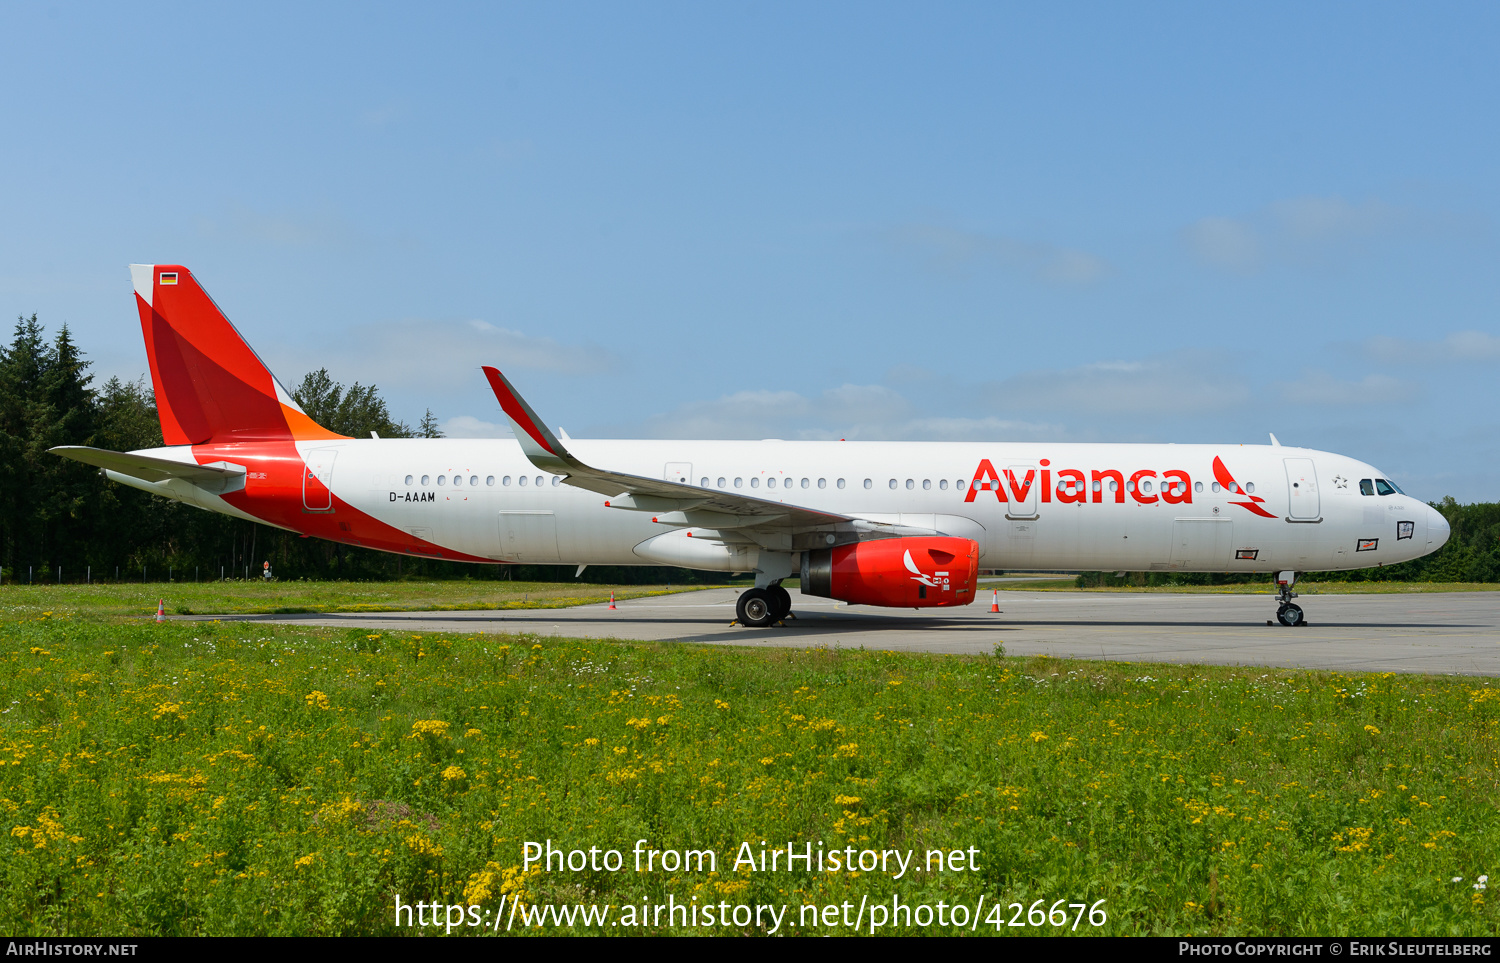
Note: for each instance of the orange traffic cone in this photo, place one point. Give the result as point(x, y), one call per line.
point(611, 600)
point(995, 603)
point(161, 610)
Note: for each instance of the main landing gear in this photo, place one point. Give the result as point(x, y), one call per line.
point(760, 607)
point(1288, 613)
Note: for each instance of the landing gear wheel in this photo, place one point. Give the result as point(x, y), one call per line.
point(782, 600)
point(1287, 612)
point(755, 608)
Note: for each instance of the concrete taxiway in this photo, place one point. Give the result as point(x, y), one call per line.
point(1439, 633)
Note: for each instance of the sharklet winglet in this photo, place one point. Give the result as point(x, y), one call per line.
point(539, 444)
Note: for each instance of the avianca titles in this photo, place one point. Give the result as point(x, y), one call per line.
point(875, 523)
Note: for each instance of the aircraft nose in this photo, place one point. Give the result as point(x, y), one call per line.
point(1437, 529)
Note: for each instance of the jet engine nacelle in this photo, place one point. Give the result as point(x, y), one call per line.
point(917, 572)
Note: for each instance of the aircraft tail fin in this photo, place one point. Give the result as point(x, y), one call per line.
point(210, 385)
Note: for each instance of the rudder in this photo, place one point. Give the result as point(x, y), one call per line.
point(210, 385)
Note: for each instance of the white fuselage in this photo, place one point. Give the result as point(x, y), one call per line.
point(1075, 522)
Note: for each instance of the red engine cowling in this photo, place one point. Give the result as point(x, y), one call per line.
point(920, 572)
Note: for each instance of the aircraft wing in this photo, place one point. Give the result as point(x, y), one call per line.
point(217, 478)
point(671, 503)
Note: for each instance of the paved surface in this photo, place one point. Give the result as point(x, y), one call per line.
point(1442, 633)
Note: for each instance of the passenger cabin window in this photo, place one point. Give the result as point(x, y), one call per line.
point(473, 479)
point(408, 480)
point(721, 481)
point(770, 483)
point(868, 483)
point(489, 480)
point(442, 479)
point(425, 479)
point(959, 484)
point(1385, 488)
point(755, 483)
point(704, 483)
point(458, 479)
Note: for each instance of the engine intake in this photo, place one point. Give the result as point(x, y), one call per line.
point(917, 572)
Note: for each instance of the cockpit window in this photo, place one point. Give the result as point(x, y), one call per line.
point(1366, 486)
point(1386, 488)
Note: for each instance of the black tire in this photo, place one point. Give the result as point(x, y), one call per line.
point(755, 608)
point(783, 600)
point(1289, 615)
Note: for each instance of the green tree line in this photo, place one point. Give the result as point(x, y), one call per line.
point(62, 520)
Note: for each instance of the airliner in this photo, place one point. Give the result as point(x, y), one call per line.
point(899, 524)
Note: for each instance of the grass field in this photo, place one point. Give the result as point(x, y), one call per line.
point(223, 778)
point(239, 598)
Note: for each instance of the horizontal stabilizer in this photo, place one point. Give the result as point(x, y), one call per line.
point(217, 479)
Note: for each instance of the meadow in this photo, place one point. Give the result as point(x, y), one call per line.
point(244, 597)
point(218, 778)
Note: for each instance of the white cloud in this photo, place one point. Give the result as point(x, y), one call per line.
point(433, 356)
point(1177, 384)
point(1458, 346)
point(1224, 243)
point(508, 150)
point(1318, 388)
point(864, 412)
point(977, 429)
point(908, 374)
point(748, 414)
point(1309, 230)
point(385, 115)
point(467, 426)
point(1333, 218)
point(282, 228)
point(957, 250)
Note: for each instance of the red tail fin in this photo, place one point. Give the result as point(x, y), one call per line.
point(210, 385)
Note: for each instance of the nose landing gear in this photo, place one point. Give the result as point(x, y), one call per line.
point(1288, 613)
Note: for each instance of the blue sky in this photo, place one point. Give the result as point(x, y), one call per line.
point(1063, 222)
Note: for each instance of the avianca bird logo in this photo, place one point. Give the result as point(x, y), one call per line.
point(1226, 480)
point(938, 579)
